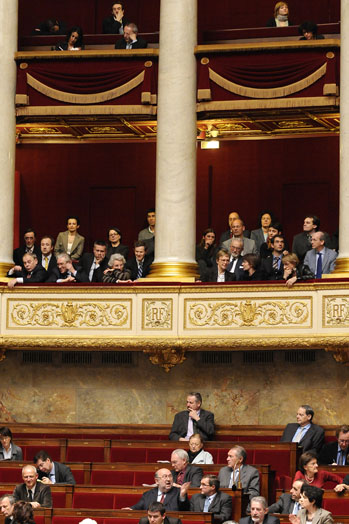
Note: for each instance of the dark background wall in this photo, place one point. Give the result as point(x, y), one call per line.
point(114, 184)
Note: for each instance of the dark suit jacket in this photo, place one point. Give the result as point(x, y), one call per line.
point(328, 454)
point(221, 506)
point(112, 26)
point(139, 44)
point(268, 519)
point(52, 264)
point(268, 271)
point(346, 480)
point(205, 426)
point(239, 270)
point(312, 441)
point(42, 494)
point(20, 251)
point(172, 501)
point(8, 520)
point(168, 520)
point(85, 264)
point(63, 474)
point(211, 275)
point(121, 249)
point(57, 275)
point(301, 244)
point(132, 265)
point(193, 474)
point(39, 274)
point(284, 505)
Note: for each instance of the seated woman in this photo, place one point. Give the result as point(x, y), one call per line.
point(9, 450)
point(260, 235)
point(311, 501)
point(23, 513)
point(70, 241)
point(251, 266)
point(280, 18)
point(219, 272)
point(74, 40)
point(114, 244)
point(309, 470)
point(206, 251)
point(196, 453)
point(308, 30)
point(294, 271)
point(116, 272)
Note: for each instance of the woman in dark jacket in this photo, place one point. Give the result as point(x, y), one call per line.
point(9, 450)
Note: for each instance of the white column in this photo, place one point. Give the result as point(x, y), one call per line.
point(8, 46)
point(342, 265)
point(176, 143)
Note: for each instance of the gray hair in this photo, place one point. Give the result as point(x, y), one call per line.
point(133, 27)
point(65, 257)
point(116, 256)
point(181, 453)
point(8, 496)
point(260, 500)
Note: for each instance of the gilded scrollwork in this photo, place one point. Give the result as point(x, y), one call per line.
point(70, 314)
point(166, 358)
point(239, 313)
point(336, 311)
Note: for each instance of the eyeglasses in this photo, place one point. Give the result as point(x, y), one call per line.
point(343, 441)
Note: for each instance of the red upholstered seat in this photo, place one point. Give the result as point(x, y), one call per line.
point(337, 506)
point(278, 460)
point(30, 451)
point(85, 454)
point(126, 500)
point(10, 475)
point(58, 499)
point(93, 500)
point(155, 454)
point(127, 454)
point(112, 478)
point(69, 520)
point(144, 477)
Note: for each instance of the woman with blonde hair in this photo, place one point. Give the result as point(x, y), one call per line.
point(280, 18)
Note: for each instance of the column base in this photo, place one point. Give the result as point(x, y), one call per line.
point(341, 270)
point(4, 268)
point(173, 272)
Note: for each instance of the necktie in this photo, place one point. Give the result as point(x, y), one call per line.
point(207, 504)
point(30, 495)
point(46, 263)
point(295, 508)
point(298, 435)
point(276, 263)
point(162, 498)
point(319, 266)
point(341, 458)
point(29, 275)
point(180, 477)
point(140, 270)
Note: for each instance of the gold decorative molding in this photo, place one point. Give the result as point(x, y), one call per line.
point(157, 314)
point(340, 355)
point(256, 312)
point(166, 358)
point(4, 268)
point(173, 271)
point(335, 311)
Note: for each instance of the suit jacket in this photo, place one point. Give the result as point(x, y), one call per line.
point(346, 480)
point(39, 274)
point(133, 267)
point(172, 501)
point(63, 474)
point(52, 264)
point(112, 26)
point(329, 452)
point(284, 505)
point(249, 479)
point(211, 275)
point(249, 246)
point(8, 520)
point(140, 43)
point(301, 244)
point(42, 494)
point(239, 270)
point(312, 441)
point(57, 275)
point(20, 251)
point(85, 265)
point(328, 260)
point(269, 272)
point(61, 245)
point(205, 426)
point(168, 520)
point(221, 506)
point(16, 453)
point(321, 516)
point(268, 519)
point(193, 474)
point(258, 236)
point(121, 249)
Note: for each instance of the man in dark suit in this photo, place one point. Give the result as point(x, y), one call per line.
point(131, 39)
point(272, 266)
point(308, 435)
point(32, 491)
point(94, 264)
point(182, 471)
point(337, 452)
point(157, 515)
point(219, 273)
point(211, 500)
point(173, 498)
point(115, 23)
point(52, 472)
point(6, 506)
point(28, 247)
point(31, 273)
point(139, 265)
point(259, 513)
point(301, 242)
point(235, 261)
point(193, 420)
point(47, 259)
point(288, 503)
point(66, 272)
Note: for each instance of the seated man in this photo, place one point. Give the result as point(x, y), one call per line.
point(289, 503)
point(173, 498)
point(148, 234)
point(6, 506)
point(235, 261)
point(301, 242)
point(183, 472)
point(139, 265)
point(94, 264)
point(157, 515)
point(115, 23)
point(193, 420)
point(31, 273)
point(237, 472)
point(238, 228)
point(32, 491)
point(259, 513)
point(65, 271)
point(219, 272)
point(320, 259)
point(229, 233)
point(337, 452)
point(52, 472)
point(308, 435)
point(28, 247)
point(47, 258)
point(272, 266)
point(211, 500)
point(131, 39)
point(51, 26)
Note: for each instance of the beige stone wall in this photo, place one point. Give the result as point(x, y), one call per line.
point(144, 393)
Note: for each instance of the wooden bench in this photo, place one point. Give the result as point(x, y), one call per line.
point(11, 471)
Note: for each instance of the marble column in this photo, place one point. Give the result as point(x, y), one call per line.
point(8, 45)
point(176, 143)
point(342, 264)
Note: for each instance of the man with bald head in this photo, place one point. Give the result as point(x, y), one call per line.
point(173, 498)
point(229, 233)
point(38, 494)
point(238, 228)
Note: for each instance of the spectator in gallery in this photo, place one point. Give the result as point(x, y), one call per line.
point(251, 267)
point(114, 24)
point(32, 272)
point(140, 263)
point(281, 16)
point(47, 258)
point(294, 270)
point(266, 248)
point(116, 271)
point(51, 26)
point(66, 272)
point(147, 234)
point(114, 243)
point(74, 40)
point(9, 450)
point(70, 241)
point(309, 31)
point(260, 235)
point(206, 250)
point(29, 246)
point(229, 233)
point(238, 228)
point(219, 272)
point(131, 39)
point(320, 259)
